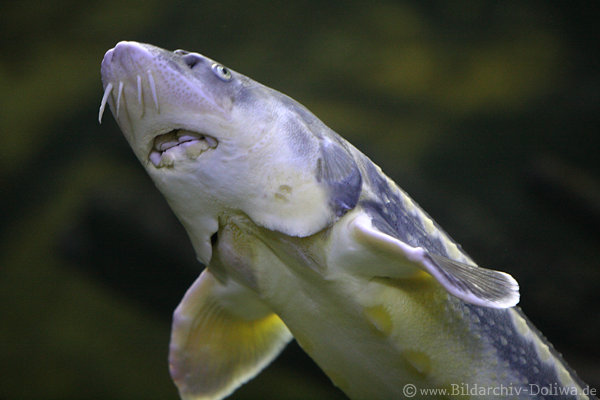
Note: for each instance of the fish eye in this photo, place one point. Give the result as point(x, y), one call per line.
point(222, 72)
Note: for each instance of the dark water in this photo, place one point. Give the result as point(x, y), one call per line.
point(487, 113)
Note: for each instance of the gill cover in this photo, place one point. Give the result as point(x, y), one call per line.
point(306, 179)
point(303, 209)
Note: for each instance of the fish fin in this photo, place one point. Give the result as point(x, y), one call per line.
point(474, 284)
point(470, 283)
point(222, 336)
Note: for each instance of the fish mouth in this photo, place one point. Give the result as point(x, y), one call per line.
point(179, 144)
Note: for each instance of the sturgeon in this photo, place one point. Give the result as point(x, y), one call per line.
point(304, 237)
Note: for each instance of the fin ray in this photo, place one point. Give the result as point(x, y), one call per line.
point(215, 349)
point(477, 285)
point(470, 283)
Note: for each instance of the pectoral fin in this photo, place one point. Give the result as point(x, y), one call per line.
point(470, 283)
point(222, 336)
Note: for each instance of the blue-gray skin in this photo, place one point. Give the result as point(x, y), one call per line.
point(264, 249)
point(494, 325)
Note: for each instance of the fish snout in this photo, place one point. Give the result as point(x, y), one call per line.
point(126, 59)
point(127, 72)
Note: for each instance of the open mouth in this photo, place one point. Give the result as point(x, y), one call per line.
point(179, 144)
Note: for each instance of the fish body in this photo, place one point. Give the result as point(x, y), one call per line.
point(303, 236)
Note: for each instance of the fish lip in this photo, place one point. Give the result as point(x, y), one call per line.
point(178, 145)
point(134, 90)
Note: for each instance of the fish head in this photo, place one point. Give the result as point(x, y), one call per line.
point(154, 93)
point(215, 142)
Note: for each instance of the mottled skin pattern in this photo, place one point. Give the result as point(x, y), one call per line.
point(496, 327)
point(271, 198)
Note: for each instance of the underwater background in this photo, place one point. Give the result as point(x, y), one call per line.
point(486, 112)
